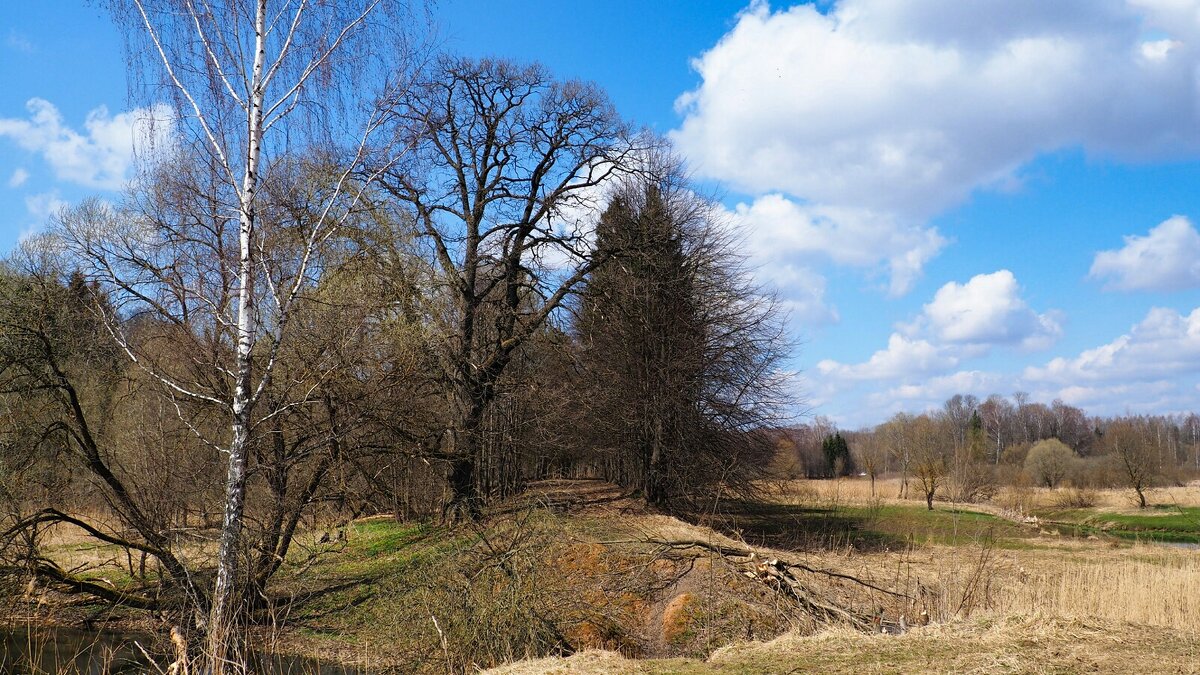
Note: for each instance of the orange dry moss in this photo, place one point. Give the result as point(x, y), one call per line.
point(677, 617)
point(593, 569)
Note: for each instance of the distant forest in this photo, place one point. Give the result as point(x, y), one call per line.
point(969, 448)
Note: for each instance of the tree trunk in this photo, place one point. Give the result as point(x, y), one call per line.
point(655, 488)
point(224, 615)
point(222, 643)
point(929, 500)
point(464, 497)
point(472, 396)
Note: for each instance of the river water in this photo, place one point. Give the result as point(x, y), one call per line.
point(60, 650)
point(1182, 544)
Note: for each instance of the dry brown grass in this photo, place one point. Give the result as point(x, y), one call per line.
point(1052, 604)
point(858, 491)
point(1054, 576)
point(1160, 591)
point(1149, 585)
point(1046, 603)
point(1033, 645)
point(1045, 498)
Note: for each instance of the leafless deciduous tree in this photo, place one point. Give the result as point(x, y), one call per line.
point(253, 82)
point(958, 410)
point(898, 437)
point(872, 454)
point(501, 153)
point(63, 394)
point(1133, 456)
point(972, 476)
point(932, 451)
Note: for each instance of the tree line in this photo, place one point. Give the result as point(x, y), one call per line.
point(969, 448)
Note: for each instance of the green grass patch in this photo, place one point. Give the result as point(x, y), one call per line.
point(383, 536)
point(1168, 524)
point(874, 527)
point(951, 526)
point(402, 589)
point(381, 548)
point(1176, 519)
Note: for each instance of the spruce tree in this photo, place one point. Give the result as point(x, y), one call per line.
point(642, 345)
point(679, 351)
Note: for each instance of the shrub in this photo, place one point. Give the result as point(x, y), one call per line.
point(1017, 499)
point(1049, 462)
point(1076, 498)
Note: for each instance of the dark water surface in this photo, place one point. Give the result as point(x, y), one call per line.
point(39, 651)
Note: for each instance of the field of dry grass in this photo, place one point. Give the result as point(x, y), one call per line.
point(1003, 596)
point(858, 491)
point(1014, 645)
point(999, 592)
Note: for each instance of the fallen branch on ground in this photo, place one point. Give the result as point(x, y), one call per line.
point(782, 575)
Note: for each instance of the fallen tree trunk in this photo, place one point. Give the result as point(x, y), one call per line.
point(785, 577)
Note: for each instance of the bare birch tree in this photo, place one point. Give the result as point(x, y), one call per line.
point(898, 437)
point(252, 83)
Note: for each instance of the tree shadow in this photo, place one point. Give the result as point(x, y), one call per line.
point(308, 607)
point(797, 528)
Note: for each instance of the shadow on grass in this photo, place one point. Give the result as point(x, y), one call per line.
point(308, 605)
point(798, 528)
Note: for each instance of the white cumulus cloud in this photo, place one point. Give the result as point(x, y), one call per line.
point(1163, 345)
point(909, 106)
point(989, 310)
point(931, 393)
point(102, 154)
point(858, 123)
point(904, 357)
point(1165, 259)
point(962, 322)
point(1151, 368)
point(803, 296)
point(780, 230)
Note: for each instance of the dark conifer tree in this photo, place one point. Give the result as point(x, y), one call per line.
point(838, 461)
point(678, 352)
point(642, 344)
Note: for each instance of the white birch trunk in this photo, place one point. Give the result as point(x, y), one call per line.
point(225, 600)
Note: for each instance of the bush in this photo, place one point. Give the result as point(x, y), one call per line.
point(1008, 474)
point(1014, 455)
point(1017, 499)
point(971, 483)
point(1049, 462)
point(1092, 472)
point(1076, 498)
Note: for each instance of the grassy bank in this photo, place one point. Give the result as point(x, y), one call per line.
point(578, 568)
point(973, 569)
point(1161, 523)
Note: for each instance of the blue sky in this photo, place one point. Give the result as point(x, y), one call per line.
point(951, 197)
